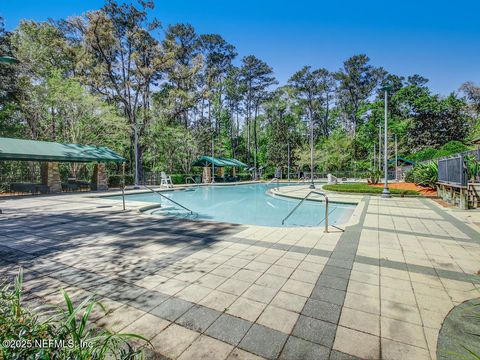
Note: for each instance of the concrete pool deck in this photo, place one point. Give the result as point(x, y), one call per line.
point(204, 290)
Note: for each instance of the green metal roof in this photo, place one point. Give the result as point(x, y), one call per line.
point(218, 162)
point(403, 160)
point(33, 150)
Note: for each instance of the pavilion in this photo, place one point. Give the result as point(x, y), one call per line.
point(217, 166)
point(49, 154)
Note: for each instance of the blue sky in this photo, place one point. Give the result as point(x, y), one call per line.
point(436, 39)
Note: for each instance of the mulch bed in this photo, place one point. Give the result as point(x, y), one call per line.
point(425, 191)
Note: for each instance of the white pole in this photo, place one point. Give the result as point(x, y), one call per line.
point(288, 167)
point(312, 185)
point(136, 156)
point(386, 192)
point(379, 146)
point(213, 158)
point(396, 159)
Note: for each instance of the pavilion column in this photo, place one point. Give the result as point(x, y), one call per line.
point(51, 176)
point(221, 172)
point(99, 178)
point(206, 177)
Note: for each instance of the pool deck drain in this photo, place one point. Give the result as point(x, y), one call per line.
point(201, 290)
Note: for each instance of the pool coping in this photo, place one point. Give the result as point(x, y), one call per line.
point(272, 192)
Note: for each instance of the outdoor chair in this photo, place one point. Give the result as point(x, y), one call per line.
point(166, 180)
point(332, 180)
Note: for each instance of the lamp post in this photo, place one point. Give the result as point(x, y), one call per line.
point(213, 156)
point(386, 191)
point(396, 159)
point(135, 137)
point(380, 146)
point(288, 163)
point(312, 185)
point(290, 130)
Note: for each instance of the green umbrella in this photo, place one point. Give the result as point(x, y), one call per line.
point(8, 59)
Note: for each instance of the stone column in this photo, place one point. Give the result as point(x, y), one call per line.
point(221, 172)
point(51, 176)
point(206, 178)
point(99, 179)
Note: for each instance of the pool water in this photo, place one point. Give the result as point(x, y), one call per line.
point(244, 204)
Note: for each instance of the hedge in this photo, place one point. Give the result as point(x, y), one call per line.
point(366, 189)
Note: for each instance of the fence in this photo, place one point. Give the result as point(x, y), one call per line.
point(453, 169)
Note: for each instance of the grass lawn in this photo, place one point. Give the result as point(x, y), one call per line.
point(366, 189)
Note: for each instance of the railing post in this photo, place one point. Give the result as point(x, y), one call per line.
point(326, 214)
point(446, 170)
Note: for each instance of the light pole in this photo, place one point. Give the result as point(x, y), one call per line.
point(135, 138)
point(396, 159)
point(386, 191)
point(312, 185)
point(380, 146)
point(213, 158)
point(288, 163)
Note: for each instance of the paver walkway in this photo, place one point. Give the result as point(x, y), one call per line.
point(199, 290)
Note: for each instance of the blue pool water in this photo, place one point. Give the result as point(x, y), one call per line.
point(244, 204)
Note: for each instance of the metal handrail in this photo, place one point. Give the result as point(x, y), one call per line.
point(191, 178)
point(305, 198)
point(166, 197)
point(274, 180)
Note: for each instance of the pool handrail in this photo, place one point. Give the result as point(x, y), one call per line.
point(272, 180)
point(191, 178)
point(305, 198)
point(166, 197)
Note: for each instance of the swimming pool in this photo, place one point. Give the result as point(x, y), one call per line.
point(243, 204)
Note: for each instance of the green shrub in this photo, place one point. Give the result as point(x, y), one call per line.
point(450, 148)
point(473, 167)
point(366, 189)
point(374, 176)
point(453, 147)
point(115, 180)
point(179, 178)
point(409, 176)
point(68, 325)
point(4, 187)
point(244, 176)
point(425, 154)
point(426, 174)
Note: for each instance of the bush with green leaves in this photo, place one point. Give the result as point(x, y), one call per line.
point(374, 176)
point(473, 167)
point(429, 153)
point(424, 154)
point(365, 189)
point(68, 331)
point(425, 174)
point(115, 180)
point(409, 176)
